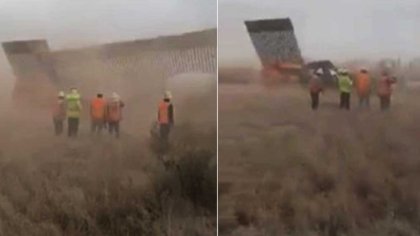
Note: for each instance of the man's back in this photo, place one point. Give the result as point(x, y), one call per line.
point(74, 106)
point(98, 106)
point(59, 110)
point(384, 85)
point(315, 84)
point(363, 83)
point(344, 83)
point(114, 110)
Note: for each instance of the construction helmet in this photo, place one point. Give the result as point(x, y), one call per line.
point(115, 96)
point(320, 71)
point(342, 71)
point(61, 94)
point(167, 95)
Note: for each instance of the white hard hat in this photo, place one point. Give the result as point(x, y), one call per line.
point(320, 71)
point(342, 71)
point(168, 95)
point(115, 96)
point(61, 94)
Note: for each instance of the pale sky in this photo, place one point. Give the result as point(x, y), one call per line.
point(330, 29)
point(75, 23)
point(79, 22)
point(325, 28)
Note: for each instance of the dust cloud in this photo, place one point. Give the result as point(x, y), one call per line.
point(98, 185)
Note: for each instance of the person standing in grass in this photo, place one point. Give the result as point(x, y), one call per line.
point(363, 86)
point(74, 110)
point(345, 86)
point(59, 113)
point(114, 114)
point(165, 117)
point(315, 88)
point(385, 90)
point(97, 113)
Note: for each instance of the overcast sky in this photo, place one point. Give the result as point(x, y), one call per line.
point(82, 22)
point(335, 29)
point(75, 23)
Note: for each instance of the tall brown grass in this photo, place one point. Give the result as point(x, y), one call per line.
point(103, 186)
point(287, 170)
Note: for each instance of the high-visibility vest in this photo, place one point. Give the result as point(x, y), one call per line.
point(344, 83)
point(74, 107)
point(163, 114)
point(98, 106)
point(363, 84)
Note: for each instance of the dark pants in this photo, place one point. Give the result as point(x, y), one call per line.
point(345, 101)
point(58, 126)
point(385, 102)
point(364, 101)
point(97, 126)
point(114, 126)
point(73, 127)
point(315, 100)
point(164, 130)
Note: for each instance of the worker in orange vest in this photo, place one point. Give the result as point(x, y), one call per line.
point(97, 113)
point(59, 113)
point(114, 114)
point(385, 90)
point(315, 88)
point(363, 87)
point(165, 116)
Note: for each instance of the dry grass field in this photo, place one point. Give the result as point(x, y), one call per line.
point(287, 170)
point(103, 186)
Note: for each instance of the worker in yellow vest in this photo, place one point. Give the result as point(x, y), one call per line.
point(165, 116)
point(74, 110)
point(345, 85)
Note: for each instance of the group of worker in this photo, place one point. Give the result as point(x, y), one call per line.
point(104, 113)
point(363, 85)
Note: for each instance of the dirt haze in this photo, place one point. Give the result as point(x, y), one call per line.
point(104, 186)
point(101, 185)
